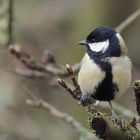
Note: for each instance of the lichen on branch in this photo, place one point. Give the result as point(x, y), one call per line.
point(103, 125)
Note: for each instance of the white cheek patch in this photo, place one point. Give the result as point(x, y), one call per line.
point(99, 46)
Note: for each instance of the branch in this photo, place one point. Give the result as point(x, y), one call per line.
point(128, 21)
point(28, 73)
point(35, 69)
point(111, 131)
point(105, 127)
point(30, 63)
point(137, 95)
point(101, 123)
point(125, 112)
point(36, 102)
point(46, 68)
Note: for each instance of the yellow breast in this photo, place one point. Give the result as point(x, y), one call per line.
point(121, 71)
point(90, 75)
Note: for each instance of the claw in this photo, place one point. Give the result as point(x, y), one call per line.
point(83, 100)
point(86, 100)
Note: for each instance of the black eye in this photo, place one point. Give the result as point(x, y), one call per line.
point(93, 40)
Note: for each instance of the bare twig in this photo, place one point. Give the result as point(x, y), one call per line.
point(112, 126)
point(31, 64)
point(47, 59)
point(36, 102)
point(61, 72)
point(63, 84)
point(71, 74)
point(76, 93)
point(108, 124)
point(25, 59)
point(128, 21)
point(125, 112)
point(25, 72)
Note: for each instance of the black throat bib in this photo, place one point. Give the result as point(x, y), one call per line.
point(105, 91)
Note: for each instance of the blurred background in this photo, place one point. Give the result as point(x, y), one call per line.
point(57, 25)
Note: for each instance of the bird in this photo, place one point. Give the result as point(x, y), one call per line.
point(105, 69)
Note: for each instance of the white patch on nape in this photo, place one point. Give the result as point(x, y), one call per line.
point(121, 41)
point(99, 46)
point(122, 44)
point(118, 36)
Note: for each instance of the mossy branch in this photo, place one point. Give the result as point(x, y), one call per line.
point(103, 125)
point(34, 101)
point(137, 95)
point(36, 69)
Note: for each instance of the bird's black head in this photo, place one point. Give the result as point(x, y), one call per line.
point(101, 34)
point(103, 42)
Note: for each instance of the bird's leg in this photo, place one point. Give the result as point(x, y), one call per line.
point(83, 100)
point(115, 115)
point(112, 110)
point(86, 100)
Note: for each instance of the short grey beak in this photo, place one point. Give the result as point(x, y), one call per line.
point(83, 42)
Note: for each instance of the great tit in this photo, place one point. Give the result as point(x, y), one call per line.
point(105, 68)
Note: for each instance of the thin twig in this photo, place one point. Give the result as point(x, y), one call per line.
point(31, 64)
point(112, 127)
point(49, 69)
point(128, 21)
point(63, 84)
point(76, 93)
point(71, 74)
point(36, 102)
point(25, 72)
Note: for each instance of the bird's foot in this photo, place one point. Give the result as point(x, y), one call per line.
point(122, 123)
point(86, 100)
point(114, 115)
point(83, 100)
point(119, 118)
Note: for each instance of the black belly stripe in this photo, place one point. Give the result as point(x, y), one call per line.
point(106, 89)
